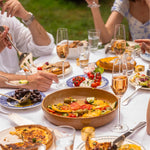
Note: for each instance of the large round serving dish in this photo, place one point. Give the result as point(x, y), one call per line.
point(79, 93)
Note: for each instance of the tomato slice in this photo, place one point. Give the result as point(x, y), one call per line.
point(75, 106)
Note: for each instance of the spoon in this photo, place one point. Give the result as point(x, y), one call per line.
point(22, 100)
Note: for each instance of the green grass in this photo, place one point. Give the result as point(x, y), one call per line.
point(54, 14)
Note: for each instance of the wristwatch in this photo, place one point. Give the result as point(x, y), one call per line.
point(30, 19)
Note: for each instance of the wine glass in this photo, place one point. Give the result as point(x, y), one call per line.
point(62, 49)
point(119, 39)
point(94, 4)
point(119, 87)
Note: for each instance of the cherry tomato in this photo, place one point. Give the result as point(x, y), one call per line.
point(76, 83)
point(39, 68)
point(94, 85)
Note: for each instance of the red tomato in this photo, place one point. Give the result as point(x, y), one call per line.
point(76, 83)
point(39, 68)
point(72, 115)
point(94, 85)
point(98, 76)
point(50, 110)
point(86, 106)
point(91, 76)
point(75, 106)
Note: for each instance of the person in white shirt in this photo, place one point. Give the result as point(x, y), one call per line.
point(30, 38)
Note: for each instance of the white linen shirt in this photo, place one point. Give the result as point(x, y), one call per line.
point(22, 39)
point(137, 29)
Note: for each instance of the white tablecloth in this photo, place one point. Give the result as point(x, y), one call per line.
point(131, 114)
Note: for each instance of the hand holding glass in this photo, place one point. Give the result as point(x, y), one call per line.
point(93, 4)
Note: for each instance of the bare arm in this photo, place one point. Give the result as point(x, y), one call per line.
point(41, 81)
point(107, 30)
point(15, 8)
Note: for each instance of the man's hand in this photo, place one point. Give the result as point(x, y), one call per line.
point(14, 8)
point(41, 81)
point(145, 44)
point(4, 42)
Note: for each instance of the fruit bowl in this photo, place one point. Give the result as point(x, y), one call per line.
point(79, 93)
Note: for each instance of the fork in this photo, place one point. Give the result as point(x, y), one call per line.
point(25, 59)
point(126, 101)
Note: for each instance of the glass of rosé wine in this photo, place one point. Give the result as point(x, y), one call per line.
point(119, 87)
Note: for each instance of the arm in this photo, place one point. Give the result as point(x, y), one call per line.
point(145, 44)
point(15, 8)
point(107, 30)
point(40, 81)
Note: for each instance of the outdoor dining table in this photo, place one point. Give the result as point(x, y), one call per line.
point(131, 114)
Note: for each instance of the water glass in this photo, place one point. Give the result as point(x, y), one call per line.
point(64, 137)
point(84, 54)
point(129, 57)
point(93, 39)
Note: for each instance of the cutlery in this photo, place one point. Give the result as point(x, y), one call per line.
point(127, 100)
point(108, 48)
point(22, 100)
point(17, 119)
point(25, 59)
point(118, 141)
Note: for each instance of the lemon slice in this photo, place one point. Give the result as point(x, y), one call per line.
point(23, 81)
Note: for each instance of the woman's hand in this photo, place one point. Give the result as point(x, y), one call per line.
point(145, 44)
point(91, 1)
point(14, 8)
point(41, 81)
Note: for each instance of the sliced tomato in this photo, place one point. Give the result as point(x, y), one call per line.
point(64, 107)
point(86, 106)
point(50, 110)
point(72, 115)
point(75, 106)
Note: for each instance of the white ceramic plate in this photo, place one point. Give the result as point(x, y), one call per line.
point(108, 139)
point(134, 84)
point(7, 138)
point(34, 70)
point(145, 56)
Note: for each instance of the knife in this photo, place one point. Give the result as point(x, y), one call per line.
point(118, 141)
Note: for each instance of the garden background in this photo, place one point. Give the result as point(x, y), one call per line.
point(71, 14)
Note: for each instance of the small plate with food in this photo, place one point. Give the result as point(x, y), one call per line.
point(55, 67)
point(104, 142)
point(140, 79)
point(88, 80)
point(34, 100)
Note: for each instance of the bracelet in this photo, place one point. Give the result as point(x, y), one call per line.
point(29, 21)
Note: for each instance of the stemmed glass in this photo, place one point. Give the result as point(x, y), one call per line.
point(94, 4)
point(62, 49)
point(119, 87)
point(119, 39)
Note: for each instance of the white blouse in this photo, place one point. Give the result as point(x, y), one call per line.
point(22, 38)
point(137, 29)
